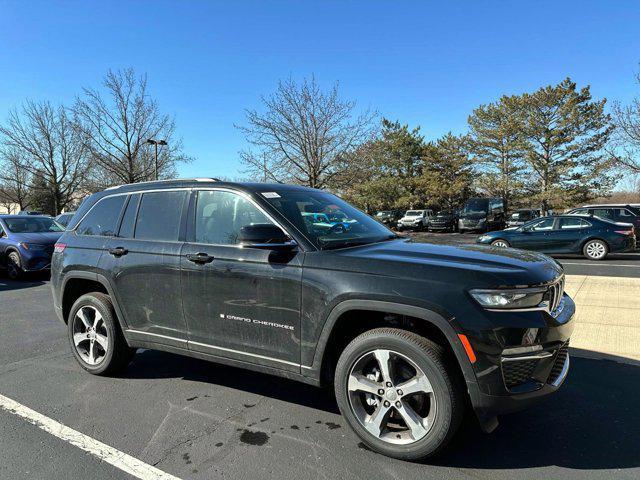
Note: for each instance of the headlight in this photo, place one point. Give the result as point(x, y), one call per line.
point(484, 238)
point(36, 247)
point(509, 299)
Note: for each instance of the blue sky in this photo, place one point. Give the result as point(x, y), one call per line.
point(424, 63)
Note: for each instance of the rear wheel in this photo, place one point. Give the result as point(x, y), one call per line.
point(595, 250)
point(95, 336)
point(399, 392)
point(14, 265)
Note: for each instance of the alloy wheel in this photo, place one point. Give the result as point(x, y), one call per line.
point(391, 397)
point(596, 250)
point(90, 335)
point(500, 244)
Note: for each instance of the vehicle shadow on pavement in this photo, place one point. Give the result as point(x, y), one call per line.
point(155, 364)
point(592, 422)
point(30, 281)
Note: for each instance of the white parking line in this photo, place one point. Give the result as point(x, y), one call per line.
point(595, 264)
point(118, 459)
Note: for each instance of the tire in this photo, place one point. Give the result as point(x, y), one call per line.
point(14, 265)
point(595, 249)
point(461, 231)
point(501, 243)
point(447, 397)
point(117, 354)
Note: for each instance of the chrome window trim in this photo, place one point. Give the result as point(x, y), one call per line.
point(537, 356)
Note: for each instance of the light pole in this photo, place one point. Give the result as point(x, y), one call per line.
point(155, 144)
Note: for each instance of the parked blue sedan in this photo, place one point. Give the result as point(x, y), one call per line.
point(590, 236)
point(27, 243)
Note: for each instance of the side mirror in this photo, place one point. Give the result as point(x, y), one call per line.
point(266, 236)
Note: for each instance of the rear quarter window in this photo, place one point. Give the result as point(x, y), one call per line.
point(102, 219)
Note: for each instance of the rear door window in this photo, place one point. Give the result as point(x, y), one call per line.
point(159, 216)
point(572, 223)
point(102, 219)
point(603, 213)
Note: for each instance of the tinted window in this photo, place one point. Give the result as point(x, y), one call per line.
point(129, 218)
point(603, 213)
point(623, 213)
point(572, 223)
point(220, 216)
point(102, 219)
point(159, 216)
point(541, 225)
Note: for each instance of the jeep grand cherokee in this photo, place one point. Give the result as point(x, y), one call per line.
point(409, 334)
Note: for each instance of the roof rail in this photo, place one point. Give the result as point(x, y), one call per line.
point(198, 179)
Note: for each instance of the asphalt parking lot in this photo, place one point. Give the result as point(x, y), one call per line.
point(194, 419)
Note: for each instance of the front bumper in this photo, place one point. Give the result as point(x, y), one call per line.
point(512, 374)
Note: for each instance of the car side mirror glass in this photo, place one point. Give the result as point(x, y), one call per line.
point(265, 235)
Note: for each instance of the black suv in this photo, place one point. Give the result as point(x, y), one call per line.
point(258, 276)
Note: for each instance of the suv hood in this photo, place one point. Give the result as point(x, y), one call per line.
point(42, 238)
point(472, 265)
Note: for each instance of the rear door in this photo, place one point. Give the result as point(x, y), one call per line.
point(143, 262)
point(568, 234)
point(241, 303)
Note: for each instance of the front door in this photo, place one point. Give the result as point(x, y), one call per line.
point(242, 303)
point(536, 236)
point(143, 262)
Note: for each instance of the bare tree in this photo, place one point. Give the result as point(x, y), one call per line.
point(116, 124)
point(14, 178)
point(626, 142)
point(49, 144)
point(303, 134)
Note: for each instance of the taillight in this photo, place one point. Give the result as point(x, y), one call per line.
point(59, 247)
point(625, 232)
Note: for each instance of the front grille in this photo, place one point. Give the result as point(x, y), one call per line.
point(558, 365)
point(518, 372)
point(554, 294)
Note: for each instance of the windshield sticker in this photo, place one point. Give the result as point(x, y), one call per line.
point(270, 195)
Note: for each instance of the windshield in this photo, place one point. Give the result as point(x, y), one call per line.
point(413, 213)
point(383, 213)
point(328, 221)
point(32, 225)
point(477, 206)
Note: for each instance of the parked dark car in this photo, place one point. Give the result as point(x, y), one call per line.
point(590, 236)
point(389, 217)
point(64, 218)
point(444, 221)
point(616, 213)
point(522, 216)
point(481, 215)
point(26, 243)
point(409, 334)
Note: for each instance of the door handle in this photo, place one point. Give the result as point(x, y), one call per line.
point(118, 251)
point(199, 257)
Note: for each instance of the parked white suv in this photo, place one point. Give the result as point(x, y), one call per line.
point(415, 219)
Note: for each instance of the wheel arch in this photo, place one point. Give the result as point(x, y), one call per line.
point(77, 283)
point(430, 321)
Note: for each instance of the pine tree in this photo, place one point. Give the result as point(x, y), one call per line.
point(566, 132)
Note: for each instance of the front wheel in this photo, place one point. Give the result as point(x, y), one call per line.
point(399, 392)
point(14, 265)
point(595, 250)
point(500, 243)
